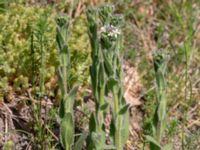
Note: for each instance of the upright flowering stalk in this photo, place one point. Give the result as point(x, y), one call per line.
point(96, 138)
point(67, 101)
point(106, 77)
point(111, 45)
point(159, 120)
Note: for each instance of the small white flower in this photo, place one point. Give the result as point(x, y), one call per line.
point(110, 30)
point(103, 29)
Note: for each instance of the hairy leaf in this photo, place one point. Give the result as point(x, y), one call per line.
point(80, 142)
point(67, 131)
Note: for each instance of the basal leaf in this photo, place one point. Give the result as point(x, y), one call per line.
point(67, 131)
point(162, 109)
point(80, 141)
point(122, 123)
point(152, 140)
point(69, 100)
point(99, 140)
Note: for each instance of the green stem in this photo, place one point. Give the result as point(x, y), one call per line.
point(68, 148)
point(116, 104)
point(159, 132)
point(42, 67)
point(42, 87)
point(101, 102)
point(118, 124)
point(65, 78)
point(102, 96)
point(118, 136)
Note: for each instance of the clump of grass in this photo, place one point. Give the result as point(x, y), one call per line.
point(39, 43)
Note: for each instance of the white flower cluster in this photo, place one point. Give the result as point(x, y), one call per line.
point(110, 30)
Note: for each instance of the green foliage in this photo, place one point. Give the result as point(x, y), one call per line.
point(20, 53)
point(111, 44)
point(64, 55)
point(8, 146)
point(80, 142)
point(96, 139)
point(2, 5)
point(67, 102)
point(106, 77)
point(67, 131)
point(15, 42)
point(39, 47)
point(159, 120)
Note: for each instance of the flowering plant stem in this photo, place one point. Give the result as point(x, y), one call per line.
point(67, 101)
point(159, 120)
point(97, 72)
point(106, 75)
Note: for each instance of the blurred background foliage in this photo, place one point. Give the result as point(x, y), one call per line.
point(20, 51)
